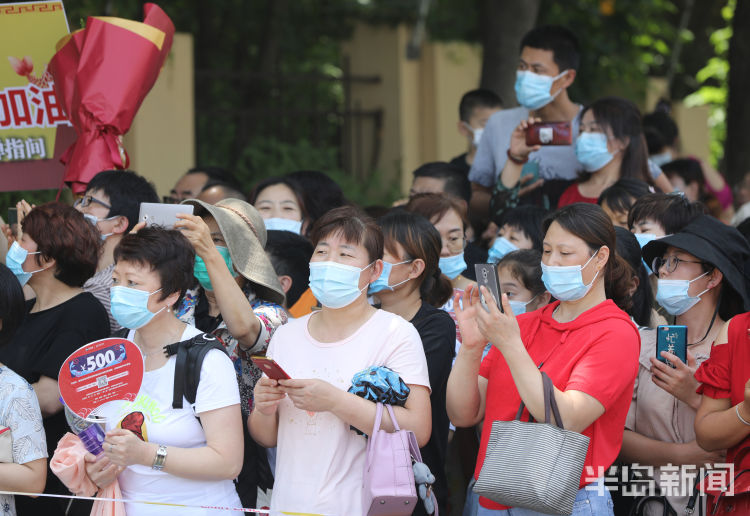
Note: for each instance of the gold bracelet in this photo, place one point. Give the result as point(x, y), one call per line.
point(737, 410)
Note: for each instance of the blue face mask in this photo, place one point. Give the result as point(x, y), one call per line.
point(533, 90)
point(643, 239)
point(14, 260)
point(95, 220)
point(500, 248)
point(452, 266)
point(129, 306)
point(673, 295)
point(201, 273)
point(275, 223)
point(334, 284)
point(381, 283)
point(519, 307)
point(565, 282)
point(592, 152)
point(661, 159)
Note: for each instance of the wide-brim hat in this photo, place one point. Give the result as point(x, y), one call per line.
point(245, 234)
point(713, 242)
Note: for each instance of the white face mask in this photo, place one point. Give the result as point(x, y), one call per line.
point(476, 134)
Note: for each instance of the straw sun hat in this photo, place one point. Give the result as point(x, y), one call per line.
point(245, 234)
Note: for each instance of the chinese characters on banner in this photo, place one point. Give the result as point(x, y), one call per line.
point(31, 117)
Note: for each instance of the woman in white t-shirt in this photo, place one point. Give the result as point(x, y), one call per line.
point(158, 453)
point(321, 459)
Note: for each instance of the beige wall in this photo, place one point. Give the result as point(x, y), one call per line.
point(692, 122)
point(161, 141)
point(419, 97)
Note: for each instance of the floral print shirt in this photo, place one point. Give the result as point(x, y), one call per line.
point(19, 411)
point(271, 316)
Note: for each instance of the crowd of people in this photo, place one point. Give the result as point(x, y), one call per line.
point(596, 242)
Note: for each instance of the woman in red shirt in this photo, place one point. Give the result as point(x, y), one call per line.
point(610, 146)
point(585, 343)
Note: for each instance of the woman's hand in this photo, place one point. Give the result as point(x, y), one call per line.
point(465, 306)
point(123, 448)
point(196, 231)
point(267, 395)
point(501, 329)
point(137, 227)
point(692, 453)
point(311, 395)
point(518, 148)
point(102, 472)
point(679, 381)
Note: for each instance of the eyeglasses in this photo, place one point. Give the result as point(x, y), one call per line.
point(670, 263)
point(86, 201)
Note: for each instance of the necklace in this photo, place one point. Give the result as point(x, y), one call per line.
point(163, 348)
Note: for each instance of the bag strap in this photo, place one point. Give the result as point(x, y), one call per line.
point(522, 406)
point(393, 418)
point(550, 402)
point(371, 438)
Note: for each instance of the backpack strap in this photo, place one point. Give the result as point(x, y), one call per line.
point(188, 362)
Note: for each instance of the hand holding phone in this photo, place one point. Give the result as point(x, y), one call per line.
point(549, 133)
point(672, 339)
point(487, 278)
point(165, 215)
point(269, 366)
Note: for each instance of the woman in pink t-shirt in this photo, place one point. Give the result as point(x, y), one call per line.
point(320, 458)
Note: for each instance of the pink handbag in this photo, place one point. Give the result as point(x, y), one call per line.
point(388, 482)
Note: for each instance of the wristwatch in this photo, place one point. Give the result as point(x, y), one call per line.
point(160, 459)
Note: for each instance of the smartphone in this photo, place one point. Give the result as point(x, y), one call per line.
point(165, 215)
point(487, 277)
point(673, 339)
point(270, 367)
point(549, 133)
point(12, 216)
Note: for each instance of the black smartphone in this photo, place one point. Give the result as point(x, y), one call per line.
point(672, 339)
point(12, 216)
point(487, 278)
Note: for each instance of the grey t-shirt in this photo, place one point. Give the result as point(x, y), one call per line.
point(551, 161)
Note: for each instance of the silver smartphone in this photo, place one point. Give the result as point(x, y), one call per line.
point(487, 277)
point(165, 215)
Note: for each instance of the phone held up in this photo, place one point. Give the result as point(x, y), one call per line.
point(269, 366)
point(549, 133)
point(165, 215)
point(487, 278)
point(672, 339)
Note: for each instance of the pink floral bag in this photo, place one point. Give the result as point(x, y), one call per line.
point(388, 482)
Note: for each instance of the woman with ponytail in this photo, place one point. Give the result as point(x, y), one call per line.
point(584, 342)
point(411, 286)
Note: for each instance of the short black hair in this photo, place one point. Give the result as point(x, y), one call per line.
point(126, 191)
point(12, 304)
point(230, 191)
point(621, 195)
point(290, 256)
point(688, 169)
point(166, 251)
point(562, 42)
point(661, 130)
point(475, 99)
point(320, 193)
point(456, 183)
point(214, 173)
point(672, 211)
point(528, 219)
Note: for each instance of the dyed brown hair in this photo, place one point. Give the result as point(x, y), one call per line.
point(354, 226)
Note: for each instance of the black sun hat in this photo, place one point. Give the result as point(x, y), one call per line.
point(715, 243)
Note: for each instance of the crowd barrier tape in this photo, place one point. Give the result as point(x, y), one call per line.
point(166, 504)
